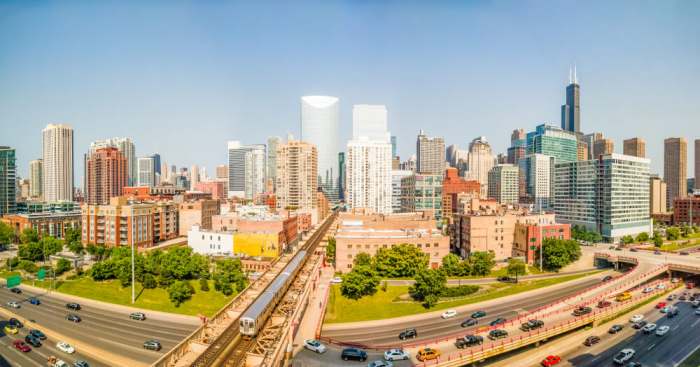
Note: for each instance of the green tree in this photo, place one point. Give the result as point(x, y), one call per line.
point(229, 276)
point(642, 237)
point(627, 239)
point(72, 235)
point(7, 235)
point(360, 281)
point(451, 265)
point(330, 250)
point(559, 253)
point(149, 281)
point(516, 267)
point(32, 251)
point(658, 241)
point(430, 283)
point(465, 268)
point(673, 233)
point(179, 292)
point(204, 284)
point(400, 261)
point(62, 266)
point(29, 235)
point(362, 258)
point(482, 262)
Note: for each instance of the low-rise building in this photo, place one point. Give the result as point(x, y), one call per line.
point(528, 238)
point(208, 242)
point(52, 224)
point(686, 210)
point(197, 212)
point(214, 188)
point(121, 223)
point(452, 187)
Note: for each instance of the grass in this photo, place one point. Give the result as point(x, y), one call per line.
point(693, 360)
point(205, 303)
point(394, 301)
point(678, 245)
point(6, 274)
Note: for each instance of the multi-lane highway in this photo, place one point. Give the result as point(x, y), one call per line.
point(102, 329)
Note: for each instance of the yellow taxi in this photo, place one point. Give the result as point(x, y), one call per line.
point(427, 354)
point(11, 329)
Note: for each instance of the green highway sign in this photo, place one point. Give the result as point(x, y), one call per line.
point(13, 281)
point(41, 274)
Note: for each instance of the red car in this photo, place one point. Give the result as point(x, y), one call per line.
point(661, 305)
point(551, 361)
point(21, 346)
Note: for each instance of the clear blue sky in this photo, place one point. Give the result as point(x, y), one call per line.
point(183, 77)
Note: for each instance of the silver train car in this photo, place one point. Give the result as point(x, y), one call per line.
point(255, 316)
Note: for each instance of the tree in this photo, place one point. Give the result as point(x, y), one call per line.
point(229, 276)
point(32, 251)
point(179, 292)
point(428, 286)
point(558, 253)
point(360, 281)
point(450, 265)
point(400, 261)
point(642, 237)
point(673, 233)
point(517, 267)
point(658, 241)
point(482, 262)
point(149, 281)
point(330, 250)
point(72, 235)
point(627, 239)
point(62, 266)
point(362, 258)
point(6, 235)
point(204, 284)
point(29, 235)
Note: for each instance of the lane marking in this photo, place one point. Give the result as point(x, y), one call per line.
point(695, 323)
point(651, 346)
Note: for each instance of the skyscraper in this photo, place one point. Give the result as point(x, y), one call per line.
point(657, 195)
point(537, 180)
point(430, 154)
point(297, 175)
point(503, 183)
point(675, 168)
point(369, 160)
point(635, 147)
point(396, 177)
point(8, 181)
point(246, 169)
point(590, 140)
point(571, 111)
point(146, 171)
point(603, 147)
point(106, 175)
point(480, 160)
point(342, 181)
point(36, 169)
point(156, 163)
point(194, 176)
point(518, 146)
point(320, 120)
point(393, 146)
point(554, 142)
point(57, 154)
point(272, 143)
point(127, 148)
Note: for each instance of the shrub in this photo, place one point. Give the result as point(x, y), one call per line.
point(460, 291)
point(204, 285)
point(149, 281)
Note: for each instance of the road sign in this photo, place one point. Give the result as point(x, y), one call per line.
point(13, 281)
point(41, 274)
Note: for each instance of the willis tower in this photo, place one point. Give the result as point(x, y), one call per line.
point(571, 111)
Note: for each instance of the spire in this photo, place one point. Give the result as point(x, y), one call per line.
point(571, 80)
point(575, 81)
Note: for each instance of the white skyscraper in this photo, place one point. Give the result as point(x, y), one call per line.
point(538, 183)
point(146, 171)
point(57, 180)
point(320, 120)
point(479, 162)
point(127, 148)
point(369, 160)
point(246, 169)
point(36, 169)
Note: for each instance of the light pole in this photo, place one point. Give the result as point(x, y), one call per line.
point(133, 274)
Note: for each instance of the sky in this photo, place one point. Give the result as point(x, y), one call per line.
point(183, 77)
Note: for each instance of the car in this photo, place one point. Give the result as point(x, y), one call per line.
point(35, 342)
point(661, 305)
point(683, 297)
point(648, 328)
point(498, 321)
point(634, 249)
point(657, 252)
point(604, 303)
point(624, 356)
point(662, 330)
point(550, 361)
point(65, 347)
point(665, 309)
point(336, 280)
point(695, 304)
point(582, 310)
point(314, 346)
point(615, 329)
point(672, 313)
point(37, 334)
point(408, 334)
point(15, 323)
point(607, 278)
point(478, 314)
point(504, 279)
point(13, 304)
point(21, 346)
point(636, 318)
point(73, 306)
point(591, 340)
point(16, 290)
point(648, 290)
point(81, 364)
point(60, 363)
point(675, 280)
point(34, 301)
point(469, 322)
point(354, 354)
point(497, 334)
point(9, 329)
point(427, 354)
point(531, 325)
point(639, 324)
point(396, 355)
point(697, 312)
point(380, 363)
point(469, 341)
point(140, 316)
point(671, 297)
point(661, 286)
point(685, 253)
point(73, 317)
point(448, 314)
point(152, 344)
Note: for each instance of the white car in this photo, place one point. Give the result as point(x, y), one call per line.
point(380, 363)
point(648, 290)
point(662, 330)
point(674, 280)
point(13, 304)
point(661, 286)
point(61, 363)
point(448, 314)
point(396, 355)
point(65, 347)
point(624, 356)
point(636, 318)
point(336, 280)
point(314, 345)
point(648, 328)
point(697, 312)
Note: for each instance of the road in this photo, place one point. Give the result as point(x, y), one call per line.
point(101, 328)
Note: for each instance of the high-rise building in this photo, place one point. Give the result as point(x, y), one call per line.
point(697, 164)
point(571, 111)
point(297, 175)
point(194, 176)
point(538, 183)
point(146, 171)
point(127, 148)
point(57, 155)
point(422, 192)
point(369, 160)
point(156, 163)
point(452, 187)
point(609, 195)
point(582, 152)
point(430, 154)
point(396, 177)
point(635, 147)
point(590, 140)
point(342, 177)
point(222, 172)
point(657, 195)
point(554, 142)
point(480, 160)
point(106, 175)
point(320, 121)
point(272, 143)
point(451, 155)
point(503, 184)
point(603, 147)
point(675, 168)
point(246, 169)
point(8, 180)
point(36, 169)
point(393, 147)
point(518, 146)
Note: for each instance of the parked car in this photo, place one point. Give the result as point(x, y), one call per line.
point(662, 330)
point(671, 297)
point(639, 324)
point(396, 355)
point(615, 329)
point(661, 286)
point(695, 304)
point(35, 342)
point(336, 280)
point(648, 328)
point(582, 310)
point(81, 364)
point(314, 346)
point(9, 329)
point(478, 314)
point(448, 314)
point(152, 344)
point(60, 363)
point(73, 317)
point(697, 312)
point(427, 354)
point(34, 301)
point(672, 313)
point(497, 321)
point(469, 322)
point(65, 347)
point(624, 356)
point(73, 306)
point(13, 304)
point(380, 363)
point(14, 322)
point(21, 346)
point(531, 325)
point(648, 290)
point(408, 334)
point(16, 290)
point(469, 341)
point(636, 318)
point(665, 309)
point(593, 339)
point(661, 305)
point(353, 354)
point(683, 297)
point(604, 303)
point(37, 334)
point(497, 334)
point(140, 316)
point(550, 361)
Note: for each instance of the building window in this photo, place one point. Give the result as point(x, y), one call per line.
point(349, 256)
point(349, 266)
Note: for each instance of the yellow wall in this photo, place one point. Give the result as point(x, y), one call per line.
point(256, 244)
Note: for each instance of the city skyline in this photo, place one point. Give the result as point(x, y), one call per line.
point(217, 97)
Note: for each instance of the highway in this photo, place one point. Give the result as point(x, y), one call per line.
point(100, 328)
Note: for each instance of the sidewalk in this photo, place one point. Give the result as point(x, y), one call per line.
point(311, 322)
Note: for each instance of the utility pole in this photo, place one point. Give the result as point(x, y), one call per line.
point(133, 274)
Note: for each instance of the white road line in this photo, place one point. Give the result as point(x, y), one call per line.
point(651, 346)
point(695, 323)
point(675, 327)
